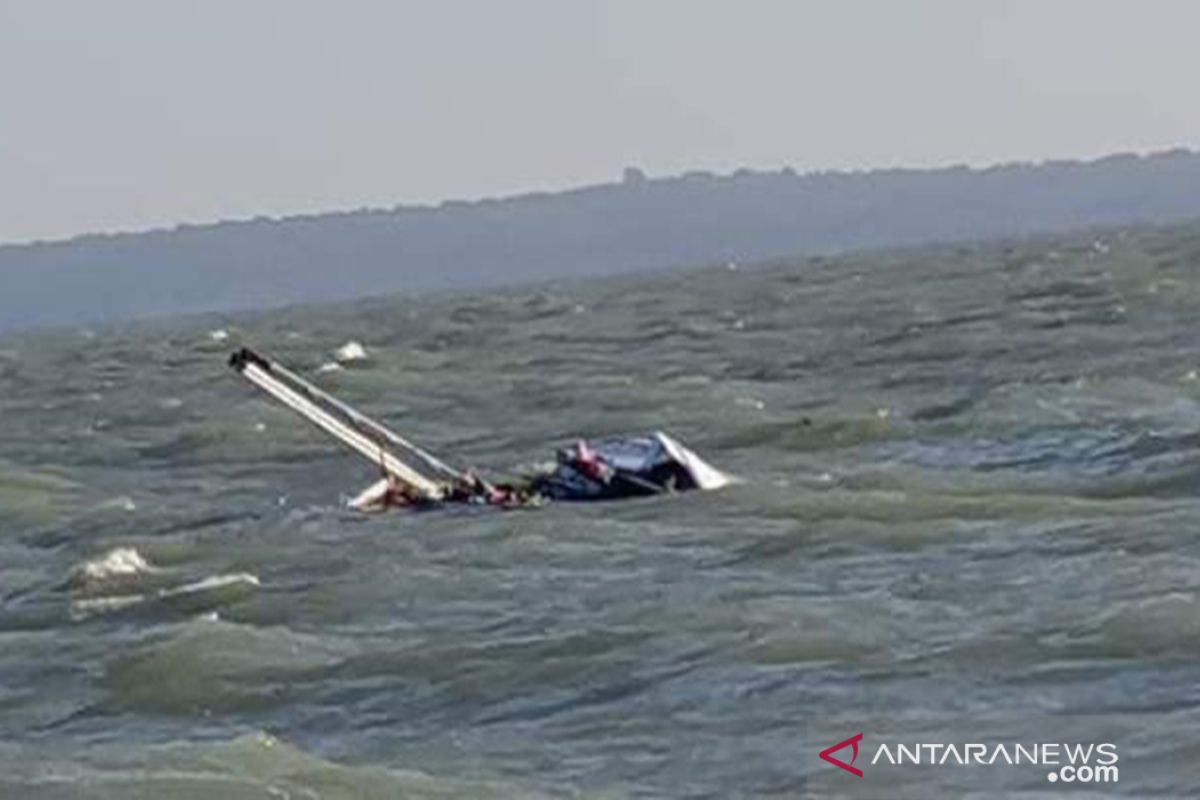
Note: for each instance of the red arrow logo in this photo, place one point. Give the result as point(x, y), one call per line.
point(827, 754)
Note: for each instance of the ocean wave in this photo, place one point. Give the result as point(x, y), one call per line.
point(253, 765)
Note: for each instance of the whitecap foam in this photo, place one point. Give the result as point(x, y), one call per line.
point(205, 594)
point(197, 597)
point(215, 583)
point(122, 503)
point(84, 608)
point(119, 563)
point(351, 351)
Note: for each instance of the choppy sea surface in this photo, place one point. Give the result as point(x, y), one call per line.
point(968, 512)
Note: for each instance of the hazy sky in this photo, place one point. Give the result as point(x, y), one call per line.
point(127, 114)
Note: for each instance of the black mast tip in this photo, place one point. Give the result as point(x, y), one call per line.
point(238, 359)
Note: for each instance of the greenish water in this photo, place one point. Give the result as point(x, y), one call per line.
point(967, 513)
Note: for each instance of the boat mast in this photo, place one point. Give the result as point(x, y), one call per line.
point(300, 396)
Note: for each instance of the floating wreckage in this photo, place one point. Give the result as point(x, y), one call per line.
point(607, 469)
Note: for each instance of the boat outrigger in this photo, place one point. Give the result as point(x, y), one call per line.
point(607, 469)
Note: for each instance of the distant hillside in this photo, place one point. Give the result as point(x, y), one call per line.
point(637, 224)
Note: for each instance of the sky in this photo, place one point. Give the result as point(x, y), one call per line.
point(133, 114)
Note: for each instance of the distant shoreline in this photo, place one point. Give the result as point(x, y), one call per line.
point(639, 224)
point(631, 175)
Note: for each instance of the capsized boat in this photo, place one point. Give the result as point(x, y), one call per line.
point(627, 466)
point(607, 469)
